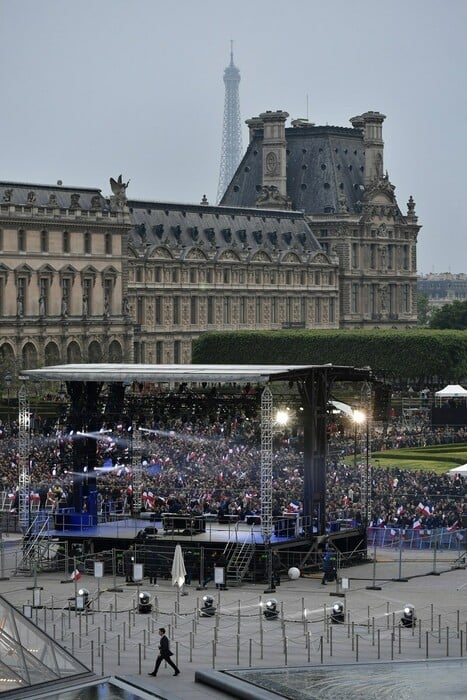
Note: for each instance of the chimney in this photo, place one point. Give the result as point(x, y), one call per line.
point(371, 123)
point(254, 124)
point(274, 151)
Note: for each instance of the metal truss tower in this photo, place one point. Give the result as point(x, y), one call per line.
point(266, 464)
point(24, 446)
point(231, 152)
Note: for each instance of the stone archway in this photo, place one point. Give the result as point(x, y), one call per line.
point(73, 353)
point(52, 354)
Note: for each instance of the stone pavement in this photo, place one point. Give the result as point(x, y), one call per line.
point(113, 639)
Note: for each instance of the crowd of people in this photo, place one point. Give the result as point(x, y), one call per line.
point(209, 461)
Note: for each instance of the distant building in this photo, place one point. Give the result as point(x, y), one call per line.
point(443, 288)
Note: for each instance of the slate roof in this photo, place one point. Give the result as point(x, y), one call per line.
point(323, 163)
point(211, 227)
point(28, 194)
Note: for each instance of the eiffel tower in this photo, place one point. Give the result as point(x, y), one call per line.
point(231, 152)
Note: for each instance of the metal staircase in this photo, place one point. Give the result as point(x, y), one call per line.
point(40, 550)
point(238, 556)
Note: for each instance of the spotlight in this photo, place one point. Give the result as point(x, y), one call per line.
point(408, 618)
point(144, 606)
point(83, 602)
point(271, 612)
point(337, 614)
point(208, 609)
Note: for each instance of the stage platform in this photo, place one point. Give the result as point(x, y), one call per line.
point(127, 530)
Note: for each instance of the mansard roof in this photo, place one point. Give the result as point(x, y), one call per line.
point(324, 163)
point(217, 227)
point(52, 196)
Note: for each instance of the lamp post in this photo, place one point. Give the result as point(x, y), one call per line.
point(8, 379)
point(358, 418)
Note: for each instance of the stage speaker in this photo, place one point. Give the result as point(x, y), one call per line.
point(381, 402)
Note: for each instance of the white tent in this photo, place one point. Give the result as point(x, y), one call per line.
point(452, 391)
point(461, 469)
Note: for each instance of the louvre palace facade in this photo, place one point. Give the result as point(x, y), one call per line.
point(307, 235)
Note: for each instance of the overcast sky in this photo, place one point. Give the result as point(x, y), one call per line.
point(94, 88)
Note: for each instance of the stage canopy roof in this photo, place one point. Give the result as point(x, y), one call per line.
point(129, 373)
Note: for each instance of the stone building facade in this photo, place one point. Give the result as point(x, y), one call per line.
point(308, 235)
point(63, 277)
point(336, 176)
point(199, 268)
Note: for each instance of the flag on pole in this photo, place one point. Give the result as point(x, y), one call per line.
point(424, 509)
point(76, 575)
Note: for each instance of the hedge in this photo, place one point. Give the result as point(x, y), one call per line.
point(418, 356)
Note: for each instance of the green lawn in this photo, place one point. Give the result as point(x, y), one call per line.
point(437, 458)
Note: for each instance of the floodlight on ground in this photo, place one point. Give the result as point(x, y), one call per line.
point(83, 601)
point(337, 613)
point(144, 605)
point(408, 618)
point(270, 611)
point(208, 609)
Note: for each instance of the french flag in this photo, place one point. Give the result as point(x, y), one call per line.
point(455, 526)
point(76, 575)
point(417, 525)
point(424, 509)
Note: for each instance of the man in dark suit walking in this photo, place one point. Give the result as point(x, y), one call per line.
point(164, 654)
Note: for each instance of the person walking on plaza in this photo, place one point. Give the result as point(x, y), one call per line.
point(164, 654)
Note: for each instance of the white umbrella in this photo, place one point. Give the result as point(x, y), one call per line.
point(178, 568)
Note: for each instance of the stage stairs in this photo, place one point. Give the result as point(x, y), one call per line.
point(238, 556)
point(40, 549)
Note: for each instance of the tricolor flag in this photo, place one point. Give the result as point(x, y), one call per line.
point(400, 510)
point(393, 532)
point(424, 509)
point(76, 575)
point(455, 526)
point(417, 525)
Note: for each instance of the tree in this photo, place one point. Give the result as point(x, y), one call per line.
point(450, 316)
point(424, 310)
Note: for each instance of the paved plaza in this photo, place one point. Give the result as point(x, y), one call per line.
point(114, 640)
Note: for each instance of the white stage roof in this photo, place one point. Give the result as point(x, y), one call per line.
point(129, 373)
point(159, 373)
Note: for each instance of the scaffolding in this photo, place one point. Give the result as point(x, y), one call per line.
point(136, 467)
point(24, 449)
point(266, 465)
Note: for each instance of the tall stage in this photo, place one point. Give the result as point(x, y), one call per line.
point(203, 538)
